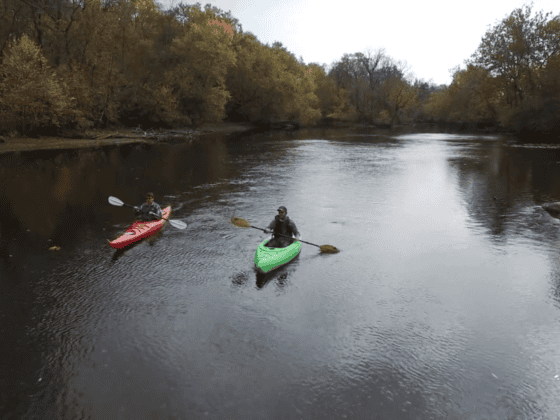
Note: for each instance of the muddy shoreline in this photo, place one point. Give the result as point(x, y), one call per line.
point(118, 136)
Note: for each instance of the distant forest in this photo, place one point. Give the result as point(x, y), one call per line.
point(91, 63)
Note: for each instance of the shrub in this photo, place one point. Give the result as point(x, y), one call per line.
point(31, 93)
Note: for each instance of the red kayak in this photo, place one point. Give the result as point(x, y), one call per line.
point(140, 230)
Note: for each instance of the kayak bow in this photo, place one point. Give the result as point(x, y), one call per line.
point(140, 230)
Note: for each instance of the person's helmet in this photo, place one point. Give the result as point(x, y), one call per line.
point(284, 209)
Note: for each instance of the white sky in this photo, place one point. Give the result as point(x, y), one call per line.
point(432, 36)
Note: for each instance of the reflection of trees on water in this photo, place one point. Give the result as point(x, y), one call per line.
point(52, 194)
point(41, 192)
point(503, 185)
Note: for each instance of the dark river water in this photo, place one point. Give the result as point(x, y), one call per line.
point(444, 302)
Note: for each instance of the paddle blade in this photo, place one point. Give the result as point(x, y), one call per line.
point(178, 224)
point(329, 249)
point(115, 201)
point(240, 222)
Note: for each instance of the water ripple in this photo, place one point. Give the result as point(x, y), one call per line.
point(436, 307)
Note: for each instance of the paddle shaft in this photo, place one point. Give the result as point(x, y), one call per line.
point(175, 223)
point(179, 225)
point(128, 205)
point(285, 236)
point(132, 207)
point(164, 218)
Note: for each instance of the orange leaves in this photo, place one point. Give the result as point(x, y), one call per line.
point(144, 6)
point(225, 26)
point(149, 6)
point(308, 76)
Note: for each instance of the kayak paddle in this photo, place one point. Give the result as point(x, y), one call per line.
point(175, 223)
point(327, 249)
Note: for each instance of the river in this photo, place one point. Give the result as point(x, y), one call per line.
point(443, 303)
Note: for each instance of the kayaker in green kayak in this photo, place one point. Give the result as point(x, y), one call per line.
point(149, 207)
point(282, 225)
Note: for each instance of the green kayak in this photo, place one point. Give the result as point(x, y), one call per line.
point(268, 259)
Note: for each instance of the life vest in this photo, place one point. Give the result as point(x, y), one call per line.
point(145, 210)
point(283, 227)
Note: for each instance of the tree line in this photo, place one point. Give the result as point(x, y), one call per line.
point(511, 81)
point(83, 63)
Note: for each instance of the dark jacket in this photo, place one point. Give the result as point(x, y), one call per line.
point(145, 209)
point(285, 227)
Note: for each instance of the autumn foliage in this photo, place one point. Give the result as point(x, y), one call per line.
point(33, 92)
point(112, 62)
point(512, 81)
point(128, 62)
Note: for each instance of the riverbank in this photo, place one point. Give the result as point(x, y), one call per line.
point(117, 136)
point(123, 135)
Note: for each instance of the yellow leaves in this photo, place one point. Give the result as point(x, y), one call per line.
point(518, 44)
point(397, 97)
point(24, 58)
point(205, 57)
point(264, 85)
point(37, 90)
point(121, 54)
point(329, 99)
point(163, 104)
point(308, 115)
point(144, 6)
point(438, 106)
point(472, 96)
point(206, 24)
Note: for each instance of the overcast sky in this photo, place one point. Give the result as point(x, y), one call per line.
point(432, 36)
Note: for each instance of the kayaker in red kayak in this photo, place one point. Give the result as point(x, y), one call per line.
point(283, 225)
point(149, 207)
